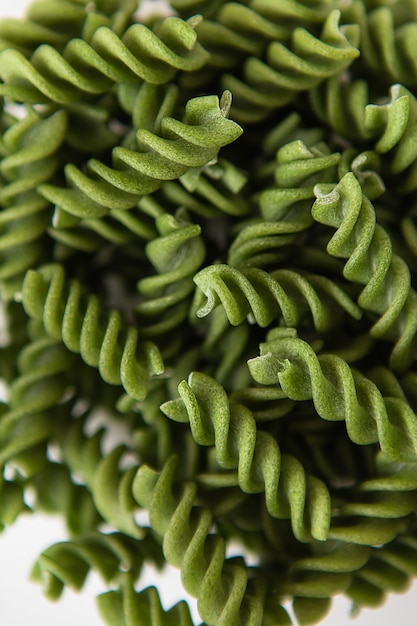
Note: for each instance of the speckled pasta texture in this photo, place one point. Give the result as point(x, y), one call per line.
point(208, 245)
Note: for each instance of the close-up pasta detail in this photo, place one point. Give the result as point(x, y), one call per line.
point(208, 238)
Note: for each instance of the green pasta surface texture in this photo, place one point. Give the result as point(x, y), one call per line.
point(208, 237)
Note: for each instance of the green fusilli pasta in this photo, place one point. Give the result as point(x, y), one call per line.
point(208, 261)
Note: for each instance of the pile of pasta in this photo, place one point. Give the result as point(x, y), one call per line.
point(208, 247)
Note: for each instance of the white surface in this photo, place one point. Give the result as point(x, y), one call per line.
point(12, 8)
point(21, 602)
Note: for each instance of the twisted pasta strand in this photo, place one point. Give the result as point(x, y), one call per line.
point(100, 339)
point(388, 570)
point(338, 393)
point(53, 491)
point(286, 207)
point(385, 46)
point(184, 145)
point(92, 68)
point(232, 429)
point(148, 104)
point(68, 563)
point(31, 416)
point(54, 27)
point(220, 585)
point(345, 107)
point(31, 152)
point(268, 297)
point(239, 31)
point(367, 246)
point(176, 255)
point(289, 70)
point(55, 22)
point(126, 607)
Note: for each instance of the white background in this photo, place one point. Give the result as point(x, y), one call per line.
point(21, 602)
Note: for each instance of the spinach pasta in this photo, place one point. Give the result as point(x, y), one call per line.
point(208, 232)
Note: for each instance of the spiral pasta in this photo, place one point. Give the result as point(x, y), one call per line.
point(389, 571)
point(289, 70)
point(106, 553)
point(338, 393)
point(266, 296)
point(55, 23)
point(288, 491)
point(54, 27)
point(107, 59)
point(41, 384)
point(126, 606)
point(239, 31)
point(176, 254)
point(201, 556)
point(389, 126)
point(149, 245)
point(188, 144)
point(285, 208)
point(388, 292)
point(386, 46)
point(100, 345)
point(28, 160)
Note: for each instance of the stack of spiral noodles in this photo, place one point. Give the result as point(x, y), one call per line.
point(208, 232)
